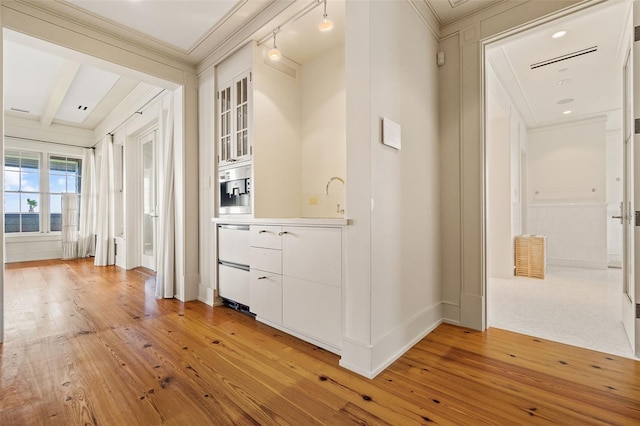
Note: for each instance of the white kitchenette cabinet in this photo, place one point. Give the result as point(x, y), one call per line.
point(296, 281)
point(312, 282)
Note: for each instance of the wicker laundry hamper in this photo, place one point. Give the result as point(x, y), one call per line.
point(530, 256)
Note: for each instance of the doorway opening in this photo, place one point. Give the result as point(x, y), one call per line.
point(555, 167)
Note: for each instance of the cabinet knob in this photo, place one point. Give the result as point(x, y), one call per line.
point(262, 278)
point(282, 233)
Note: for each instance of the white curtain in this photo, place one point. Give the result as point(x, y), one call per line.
point(105, 225)
point(86, 235)
point(69, 226)
point(165, 261)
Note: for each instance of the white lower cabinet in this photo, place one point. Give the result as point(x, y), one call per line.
point(296, 281)
point(265, 297)
point(313, 309)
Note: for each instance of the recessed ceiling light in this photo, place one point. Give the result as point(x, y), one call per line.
point(559, 34)
point(567, 112)
point(564, 81)
point(565, 101)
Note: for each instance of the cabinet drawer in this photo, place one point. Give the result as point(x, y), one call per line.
point(233, 284)
point(266, 295)
point(269, 260)
point(233, 243)
point(266, 236)
point(313, 254)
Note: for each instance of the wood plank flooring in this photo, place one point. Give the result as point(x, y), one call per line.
point(91, 345)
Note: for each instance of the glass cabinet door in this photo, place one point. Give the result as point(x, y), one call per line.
point(234, 109)
point(224, 123)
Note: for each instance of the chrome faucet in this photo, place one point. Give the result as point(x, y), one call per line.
point(326, 192)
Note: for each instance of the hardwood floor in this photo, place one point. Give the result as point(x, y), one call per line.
point(91, 345)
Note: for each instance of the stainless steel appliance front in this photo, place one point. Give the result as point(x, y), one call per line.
point(235, 190)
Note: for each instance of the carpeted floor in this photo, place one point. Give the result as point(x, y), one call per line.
point(580, 307)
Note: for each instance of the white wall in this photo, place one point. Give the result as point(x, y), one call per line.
point(506, 140)
point(393, 246)
point(323, 134)
point(566, 192)
point(207, 167)
point(498, 170)
point(276, 138)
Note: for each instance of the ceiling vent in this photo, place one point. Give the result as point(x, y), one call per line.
point(564, 57)
point(24, 111)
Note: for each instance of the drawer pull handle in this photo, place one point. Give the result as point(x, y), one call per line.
point(262, 278)
point(282, 233)
point(261, 231)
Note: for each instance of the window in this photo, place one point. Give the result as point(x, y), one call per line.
point(33, 194)
point(21, 192)
point(64, 176)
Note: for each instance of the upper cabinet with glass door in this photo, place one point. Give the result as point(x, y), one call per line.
point(234, 118)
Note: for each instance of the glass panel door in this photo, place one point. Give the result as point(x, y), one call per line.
point(149, 201)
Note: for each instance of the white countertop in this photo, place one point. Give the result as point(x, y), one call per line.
point(299, 221)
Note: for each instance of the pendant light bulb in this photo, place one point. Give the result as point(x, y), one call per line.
point(326, 24)
point(274, 53)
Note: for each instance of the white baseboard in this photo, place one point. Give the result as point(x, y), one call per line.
point(575, 263)
point(451, 313)
point(34, 255)
point(300, 336)
point(191, 284)
point(370, 360)
point(205, 294)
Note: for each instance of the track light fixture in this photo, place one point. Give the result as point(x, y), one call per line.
point(326, 24)
point(274, 53)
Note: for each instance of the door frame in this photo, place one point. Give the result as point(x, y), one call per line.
point(137, 129)
point(484, 43)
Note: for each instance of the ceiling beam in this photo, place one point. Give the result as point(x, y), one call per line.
point(66, 75)
point(123, 87)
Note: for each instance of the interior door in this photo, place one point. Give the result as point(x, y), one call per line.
point(149, 200)
point(630, 235)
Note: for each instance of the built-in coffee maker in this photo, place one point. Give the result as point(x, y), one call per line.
point(235, 190)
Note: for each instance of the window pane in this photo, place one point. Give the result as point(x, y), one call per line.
point(30, 203)
point(11, 180)
point(30, 182)
point(11, 222)
point(30, 162)
point(55, 203)
point(11, 203)
point(57, 184)
point(30, 222)
point(55, 222)
point(12, 160)
point(57, 164)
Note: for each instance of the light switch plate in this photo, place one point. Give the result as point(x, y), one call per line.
point(391, 133)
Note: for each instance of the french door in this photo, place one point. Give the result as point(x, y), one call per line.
point(148, 144)
point(628, 215)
